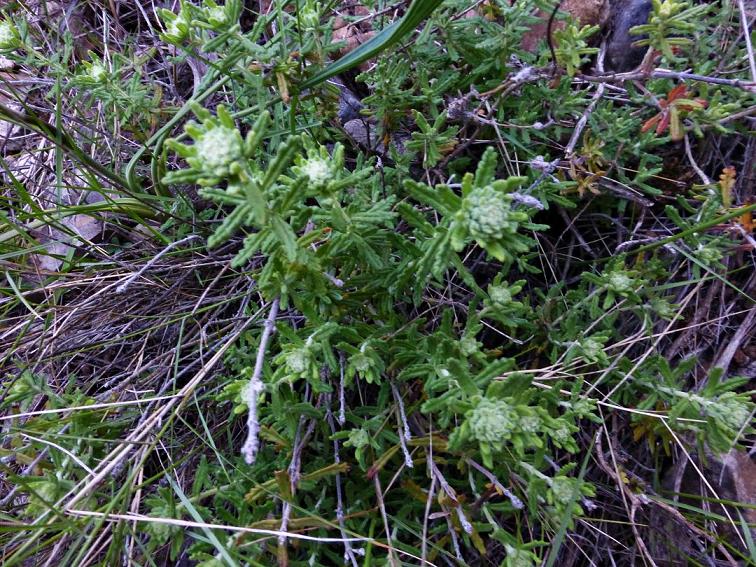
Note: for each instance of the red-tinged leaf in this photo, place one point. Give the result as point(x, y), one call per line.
point(678, 92)
point(650, 123)
point(663, 124)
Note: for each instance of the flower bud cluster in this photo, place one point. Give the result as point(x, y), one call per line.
point(9, 36)
point(488, 213)
point(217, 149)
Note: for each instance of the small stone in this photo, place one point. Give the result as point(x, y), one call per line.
point(621, 55)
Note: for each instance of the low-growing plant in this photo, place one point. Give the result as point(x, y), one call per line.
point(426, 321)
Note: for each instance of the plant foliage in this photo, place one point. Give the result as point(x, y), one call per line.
point(443, 366)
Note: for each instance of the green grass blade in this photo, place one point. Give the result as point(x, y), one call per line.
point(61, 139)
point(198, 518)
point(125, 205)
point(748, 537)
point(388, 37)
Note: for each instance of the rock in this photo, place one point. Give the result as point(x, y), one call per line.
point(14, 88)
point(587, 12)
point(362, 132)
point(70, 231)
point(57, 243)
point(354, 34)
point(732, 476)
point(349, 105)
point(616, 17)
point(365, 134)
point(621, 55)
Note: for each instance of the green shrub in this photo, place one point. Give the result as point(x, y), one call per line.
point(437, 374)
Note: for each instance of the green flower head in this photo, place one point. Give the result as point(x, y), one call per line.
point(591, 348)
point(323, 170)
point(360, 362)
point(500, 294)
point(708, 254)
point(488, 214)
point(216, 150)
point(358, 438)
point(519, 557)
point(733, 413)
point(317, 170)
point(564, 490)
point(217, 15)
point(501, 297)
point(177, 26)
point(582, 407)
point(309, 15)
point(492, 421)
point(530, 424)
point(9, 36)
point(365, 363)
point(98, 73)
point(619, 281)
point(298, 360)
point(218, 18)
point(469, 346)
point(561, 434)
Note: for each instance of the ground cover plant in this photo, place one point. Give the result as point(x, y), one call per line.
point(377, 283)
